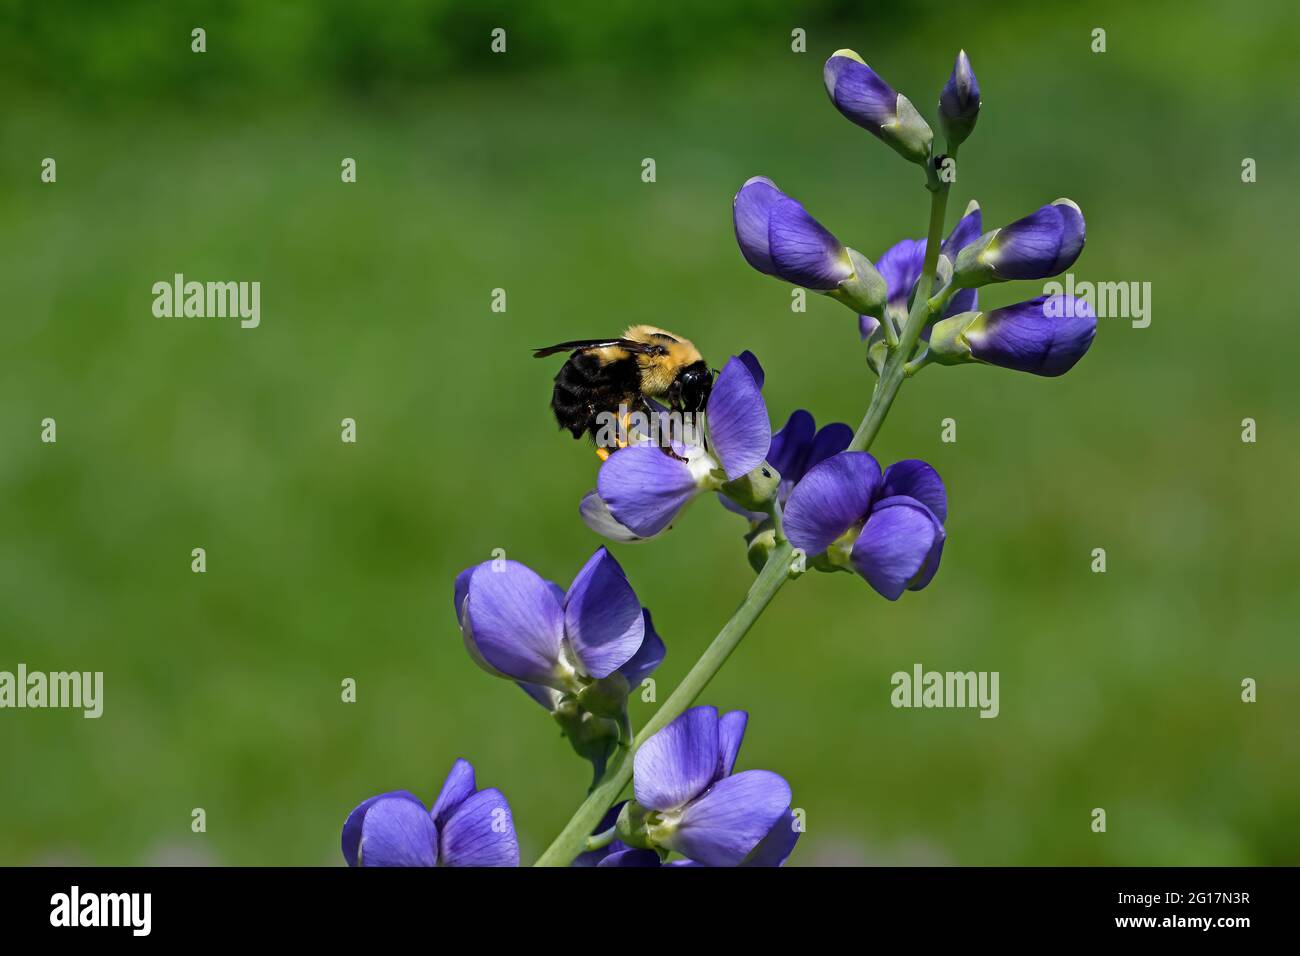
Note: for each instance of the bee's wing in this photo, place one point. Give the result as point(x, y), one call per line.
point(581, 345)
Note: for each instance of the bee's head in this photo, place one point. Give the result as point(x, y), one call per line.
point(694, 385)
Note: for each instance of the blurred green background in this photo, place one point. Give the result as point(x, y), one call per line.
point(326, 561)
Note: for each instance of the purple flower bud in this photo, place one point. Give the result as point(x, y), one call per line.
point(867, 100)
point(1044, 336)
point(465, 827)
point(959, 103)
point(1042, 244)
point(778, 237)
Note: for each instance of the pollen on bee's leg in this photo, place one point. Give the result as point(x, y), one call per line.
point(603, 454)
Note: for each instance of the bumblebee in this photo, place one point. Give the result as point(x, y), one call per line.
point(605, 375)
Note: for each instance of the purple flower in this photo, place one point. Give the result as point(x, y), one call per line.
point(889, 529)
point(576, 653)
point(518, 625)
point(1044, 336)
point(867, 100)
point(465, 827)
point(778, 237)
point(1042, 244)
point(689, 801)
point(795, 448)
point(641, 489)
point(959, 103)
point(901, 265)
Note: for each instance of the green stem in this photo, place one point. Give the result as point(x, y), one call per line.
point(601, 840)
point(778, 520)
point(895, 370)
point(573, 838)
point(938, 303)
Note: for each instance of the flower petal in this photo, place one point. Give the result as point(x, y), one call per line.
point(1042, 244)
point(644, 488)
point(1027, 247)
point(830, 440)
point(804, 251)
point(631, 858)
point(894, 545)
point(548, 697)
point(755, 367)
point(931, 565)
point(755, 516)
point(602, 616)
point(460, 590)
point(480, 833)
point(751, 210)
point(916, 479)
point(398, 832)
point(739, 432)
point(731, 731)
point(679, 762)
point(726, 824)
point(966, 300)
point(352, 825)
point(788, 453)
point(969, 228)
point(777, 846)
point(859, 93)
point(456, 789)
point(595, 515)
point(515, 620)
point(1073, 236)
point(901, 265)
point(649, 655)
point(832, 497)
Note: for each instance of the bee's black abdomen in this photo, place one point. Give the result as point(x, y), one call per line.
point(570, 400)
point(584, 388)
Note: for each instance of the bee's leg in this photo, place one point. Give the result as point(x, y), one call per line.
point(623, 420)
point(674, 408)
point(620, 440)
point(624, 437)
